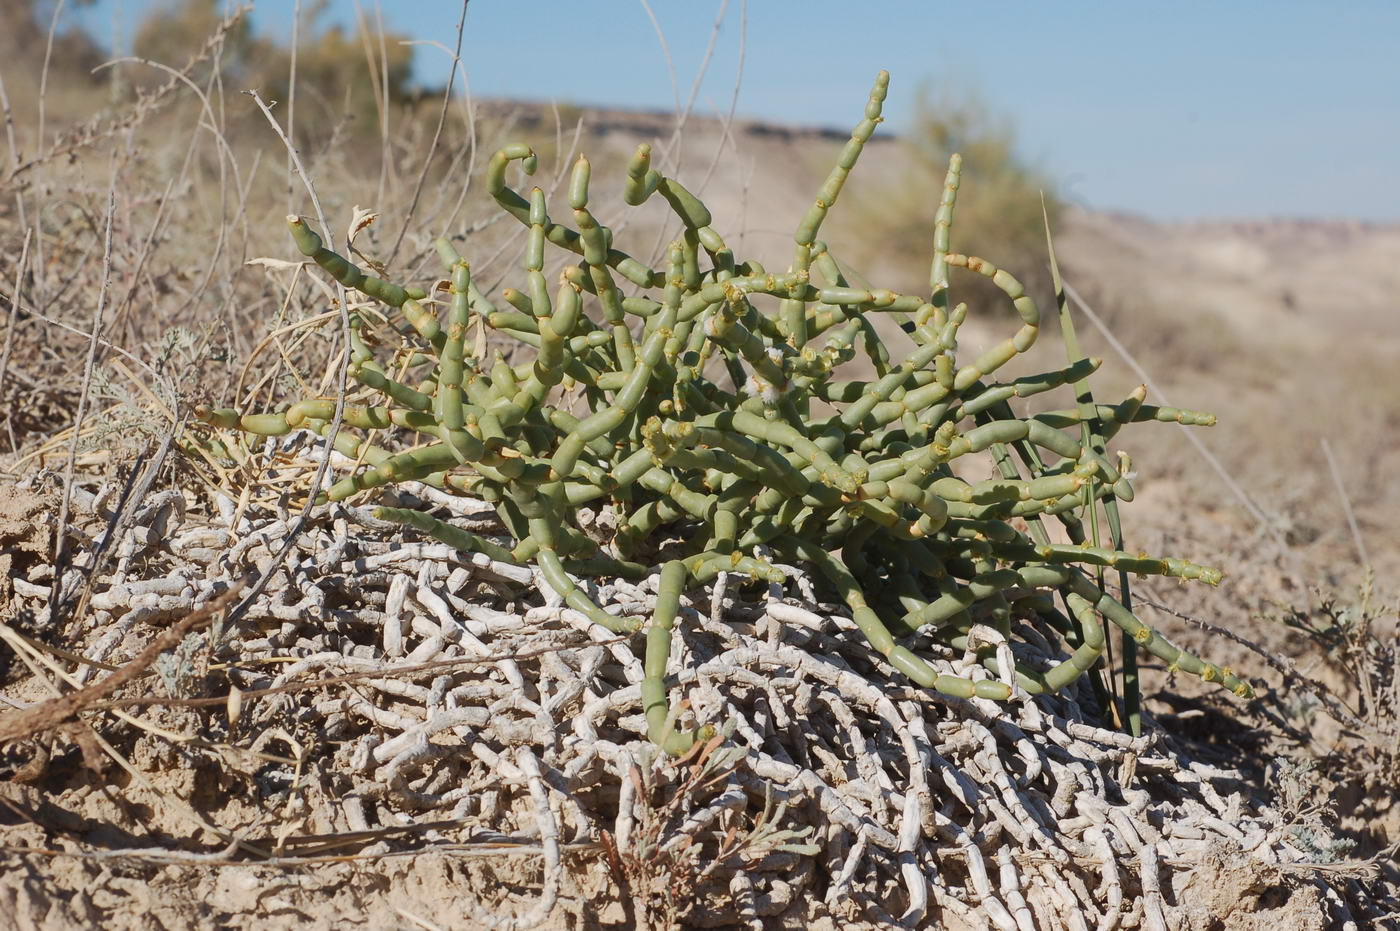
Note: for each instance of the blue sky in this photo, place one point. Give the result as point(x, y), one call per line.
point(1243, 108)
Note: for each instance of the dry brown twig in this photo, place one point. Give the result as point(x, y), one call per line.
point(19, 725)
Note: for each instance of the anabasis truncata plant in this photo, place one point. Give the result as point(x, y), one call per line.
point(706, 410)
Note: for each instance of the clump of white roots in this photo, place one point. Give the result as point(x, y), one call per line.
point(476, 702)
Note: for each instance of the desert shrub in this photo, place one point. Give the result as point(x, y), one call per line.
point(709, 470)
point(24, 28)
point(338, 74)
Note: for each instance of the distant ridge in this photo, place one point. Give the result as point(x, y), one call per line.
point(605, 121)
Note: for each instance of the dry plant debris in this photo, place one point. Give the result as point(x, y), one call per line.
point(384, 698)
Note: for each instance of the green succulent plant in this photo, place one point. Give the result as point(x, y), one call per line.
point(705, 406)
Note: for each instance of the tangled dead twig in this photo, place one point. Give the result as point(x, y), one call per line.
point(453, 710)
